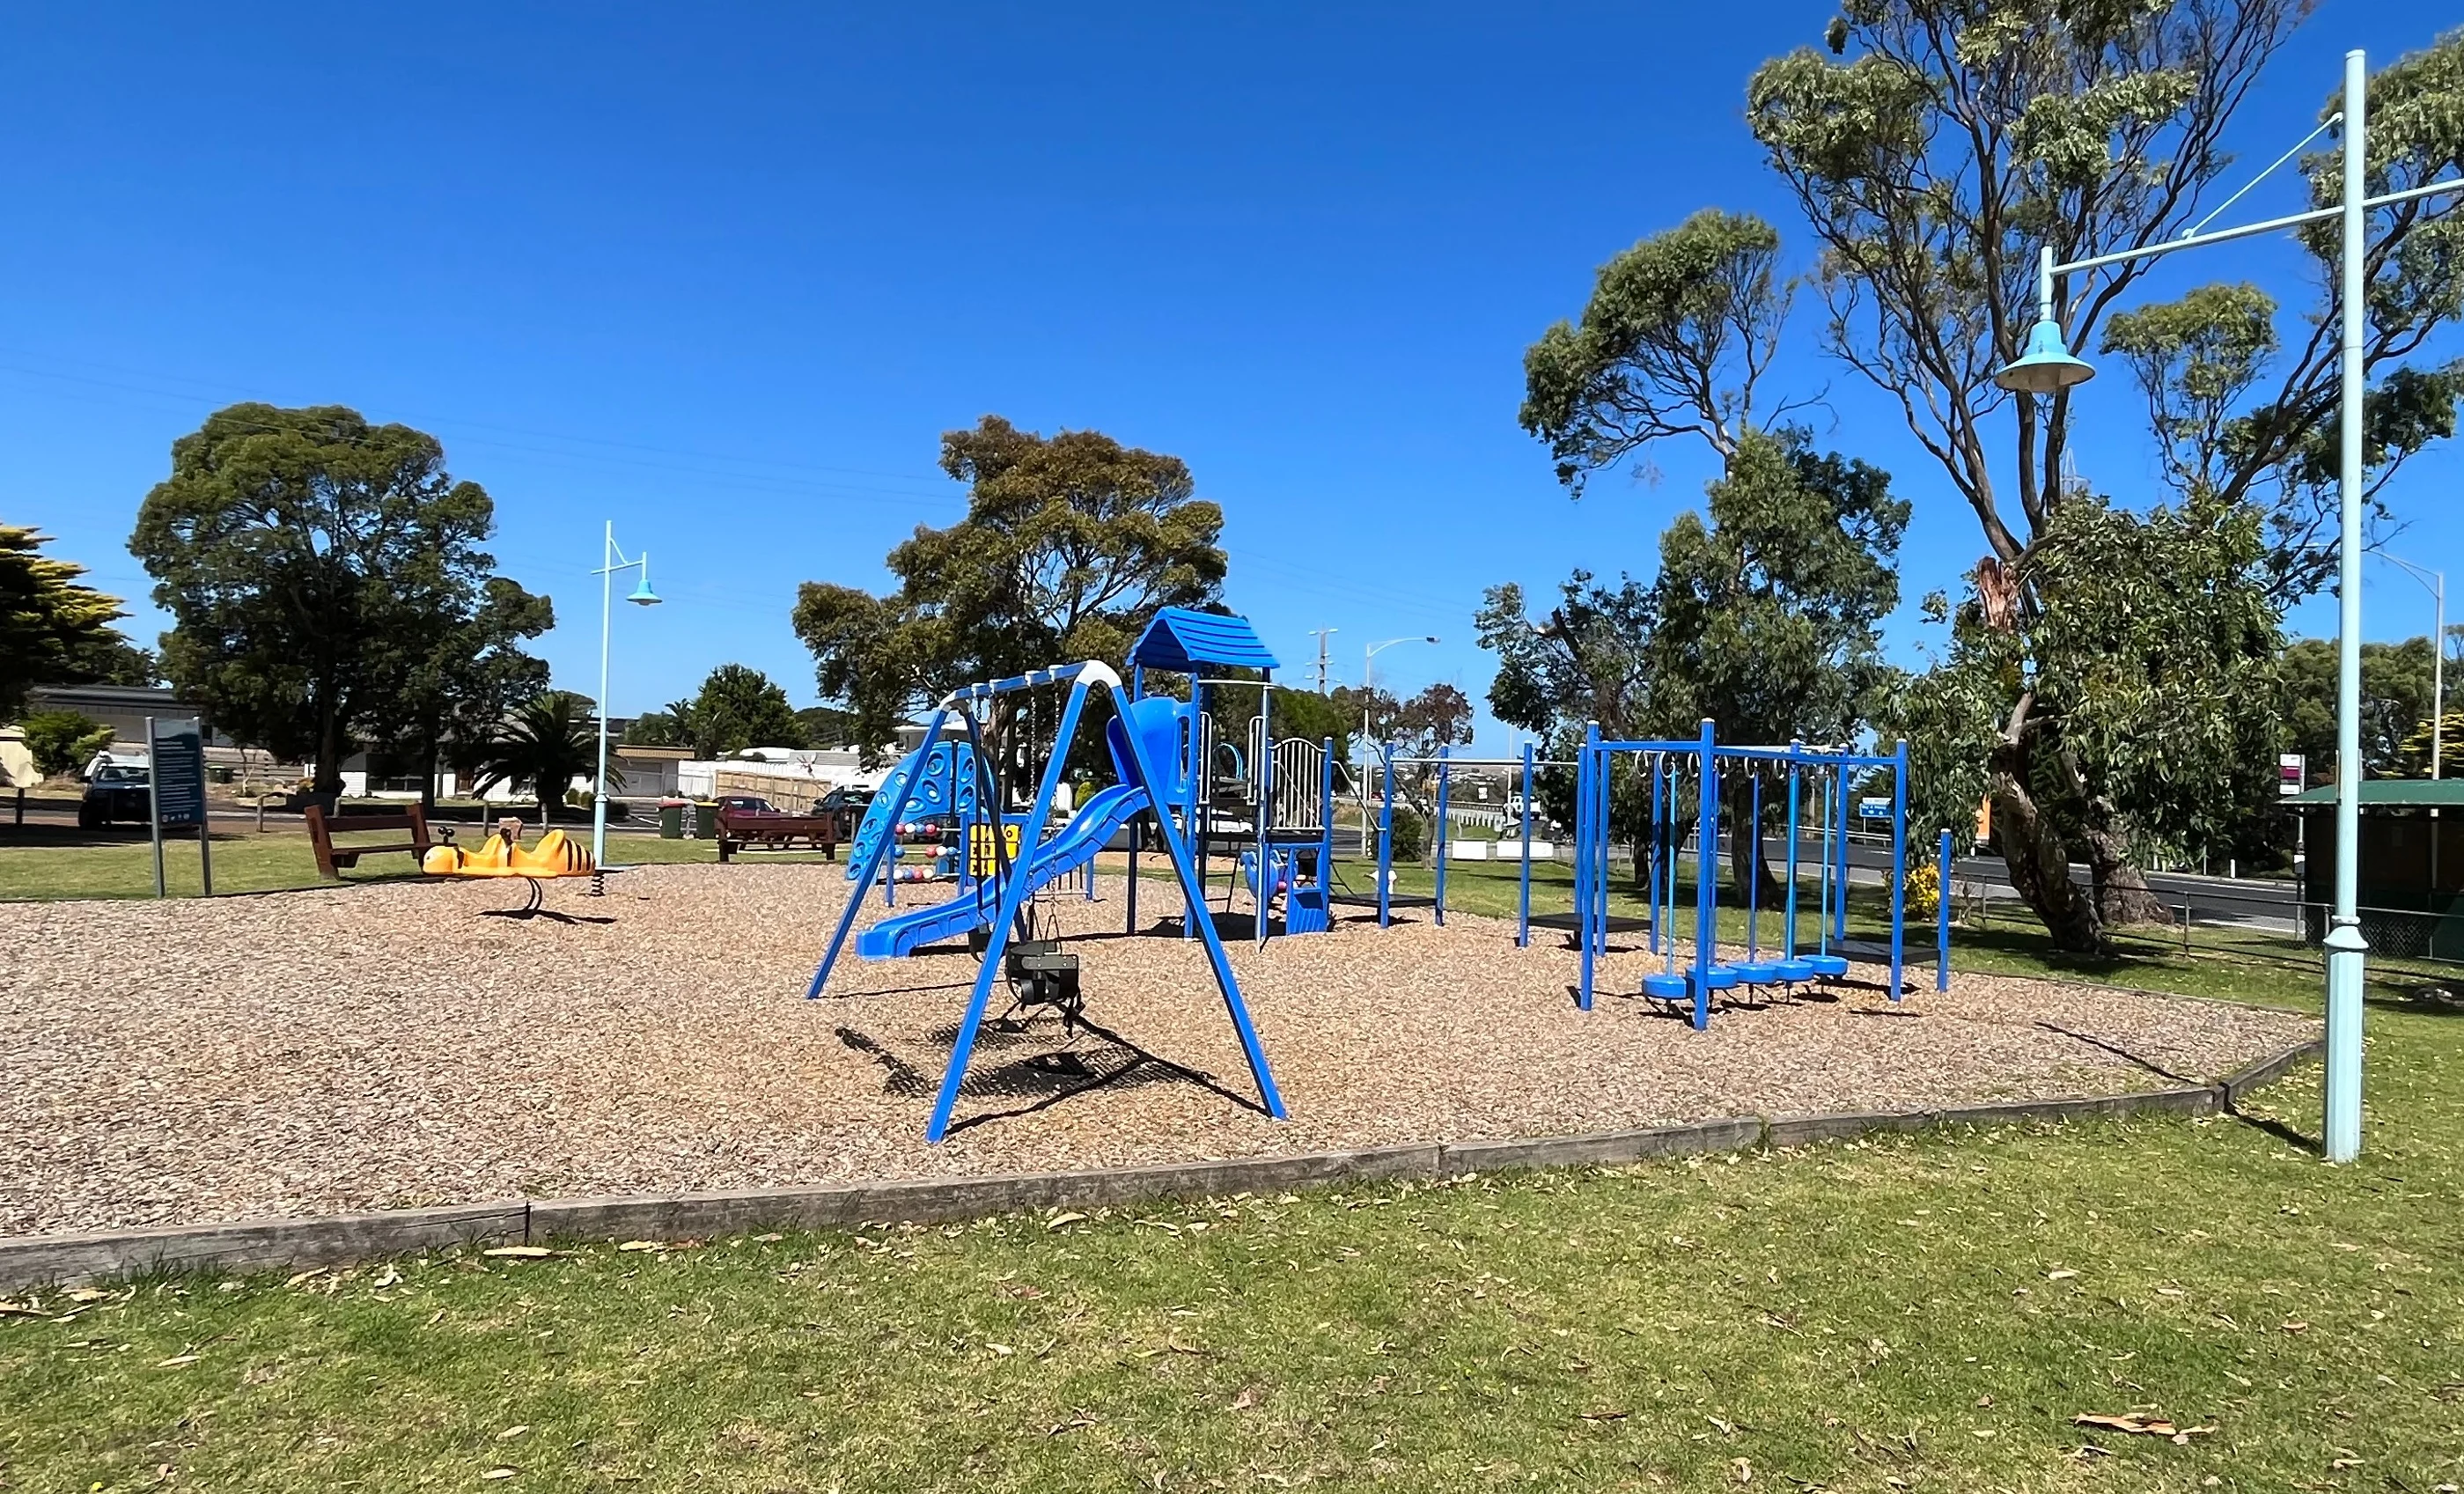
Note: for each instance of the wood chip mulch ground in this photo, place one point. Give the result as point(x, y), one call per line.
point(392, 1045)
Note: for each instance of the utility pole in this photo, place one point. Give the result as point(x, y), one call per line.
point(1320, 634)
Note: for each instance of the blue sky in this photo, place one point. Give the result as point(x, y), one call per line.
point(724, 277)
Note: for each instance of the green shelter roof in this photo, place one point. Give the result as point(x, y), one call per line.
point(2393, 794)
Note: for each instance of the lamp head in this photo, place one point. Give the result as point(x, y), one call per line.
point(642, 595)
point(2046, 367)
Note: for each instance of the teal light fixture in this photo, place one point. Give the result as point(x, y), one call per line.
point(643, 595)
point(2046, 367)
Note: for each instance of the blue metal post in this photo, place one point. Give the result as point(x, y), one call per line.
point(1706, 842)
point(873, 858)
point(1386, 835)
point(1182, 867)
point(1325, 828)
point(1589, 832)
point(1899, 862)
point(1130, 893)
point(1941, 913)
point(1013, 895)
point(1794, 774)
point(1522, 913)
point(1443, 778)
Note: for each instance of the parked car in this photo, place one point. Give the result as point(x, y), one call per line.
point(854, 800)
point(118, 793)
point(744, 804)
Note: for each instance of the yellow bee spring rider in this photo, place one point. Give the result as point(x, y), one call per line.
point(504, 856)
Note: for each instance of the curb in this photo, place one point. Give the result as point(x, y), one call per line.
point(268, 1245)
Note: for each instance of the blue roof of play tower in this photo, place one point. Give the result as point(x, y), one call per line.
point(1178, 639)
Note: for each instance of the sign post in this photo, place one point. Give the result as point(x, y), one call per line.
point(176, 784)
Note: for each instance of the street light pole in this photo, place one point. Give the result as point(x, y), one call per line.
point(1368, 658)
point(611, 560)
point(2436, 581)
point(2046, 367)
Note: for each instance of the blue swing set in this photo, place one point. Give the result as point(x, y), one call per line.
point(1149, 745)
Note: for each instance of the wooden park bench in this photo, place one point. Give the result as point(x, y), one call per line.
point(331, 859)
point(742, 829)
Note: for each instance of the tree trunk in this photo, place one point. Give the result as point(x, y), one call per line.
point(329, 749)
point(2122, 896)
point(2040, 867)
point(1767, 891)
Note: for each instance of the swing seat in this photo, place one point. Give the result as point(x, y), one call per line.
point(1828, 967)
point(1758, 972)
point(1720, 977)
point(1666, 987)
point(1793, 971)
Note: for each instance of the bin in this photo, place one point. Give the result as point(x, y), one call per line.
point(672, 819)
point(706, 821)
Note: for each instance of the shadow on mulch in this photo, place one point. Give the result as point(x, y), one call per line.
point(1042, 1078)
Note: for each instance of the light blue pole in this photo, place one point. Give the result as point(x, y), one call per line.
point(1899, 862)
point(1443, 776)
point(2345, 946)
point(1941, 912)
point(1706, 841)
point(1523, 913)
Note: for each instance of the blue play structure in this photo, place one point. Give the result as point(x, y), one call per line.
point(939, 793)
point(1149, 747)
point(1687, 784)
point(1268, 802)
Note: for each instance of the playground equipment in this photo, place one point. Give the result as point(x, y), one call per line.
point(1149, 742)
point(1692, 771)
point(937, 783)
point(504, 855)
point(1385, 898)
point(1268, 800)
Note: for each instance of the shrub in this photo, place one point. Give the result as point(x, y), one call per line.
point(1411, 835)
point(63, 742)
point(1924, 890)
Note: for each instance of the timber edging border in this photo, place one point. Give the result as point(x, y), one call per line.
point(268, 1245)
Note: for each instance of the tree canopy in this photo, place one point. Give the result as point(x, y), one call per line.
point(1069, 546)
point(52, 629)
point(736, 707)
point(1934, 150)
point(326, 585)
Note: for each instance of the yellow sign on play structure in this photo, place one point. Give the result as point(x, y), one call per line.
point(981, 862)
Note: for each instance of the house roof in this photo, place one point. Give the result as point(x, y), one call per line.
point(2393, 794)
point(1179, 638)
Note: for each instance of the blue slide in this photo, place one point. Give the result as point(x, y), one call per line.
point(1088, 830)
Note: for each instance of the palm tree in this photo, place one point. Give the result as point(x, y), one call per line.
point(545, 745)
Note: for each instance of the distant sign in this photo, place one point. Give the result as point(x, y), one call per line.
point(1873, 808)
point(2291, 774)
point(178, 775)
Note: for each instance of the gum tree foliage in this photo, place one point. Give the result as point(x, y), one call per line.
point(452, 693)
point(63, 742)
point(1933, 150)
point(2396, 691)
point(1069, 546)
point(50, 626)
point(1765, 617)
point(2176, 696)
point(324, 579)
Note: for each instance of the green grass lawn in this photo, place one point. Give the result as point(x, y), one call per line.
point(1924, 1312)
point(276, 861)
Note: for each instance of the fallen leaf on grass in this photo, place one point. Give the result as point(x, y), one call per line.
point(2296, 1326)
point(519, 1253)
point(176, 1361)
point(1605, 1415)
point(2064, 1275)
point(514, 1430)
point(1059, 1221)
point(1744, 1470)
point(18, 1310)
point(1247, 1398)
point(2138, 1425)
point(501, 1472)
point(87, 1294)
point(643, 1244)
